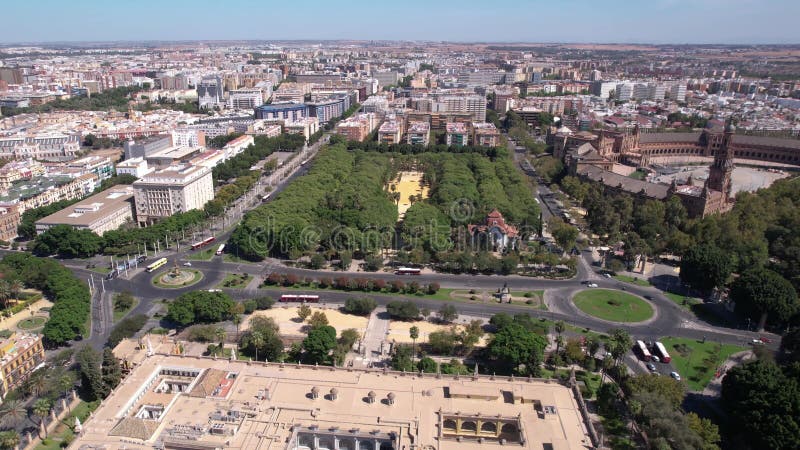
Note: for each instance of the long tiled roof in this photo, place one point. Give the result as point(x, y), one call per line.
point(741, 139)
point(633, 186)
point(646, 138)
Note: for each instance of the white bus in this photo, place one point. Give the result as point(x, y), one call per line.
point(220, 249)
point(662, 352)
point(644, 353)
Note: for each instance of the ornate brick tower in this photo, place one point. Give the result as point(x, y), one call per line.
point(719, 177)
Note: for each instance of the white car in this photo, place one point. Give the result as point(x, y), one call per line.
point(675, 375)
point(592, 285)
point(187, 264)
point(655, 358)
point(607, 275)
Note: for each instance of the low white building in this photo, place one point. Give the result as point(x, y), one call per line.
point(136, 167)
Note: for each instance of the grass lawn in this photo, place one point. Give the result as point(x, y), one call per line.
point(202, 255)
point(678, 299)
point(638, 175)
point(31, 323)
point(632, 280)
point(227, 257)
point(612, 305)
point(64, 429)
point(235, 281)
point(101, 269)
point(121, 313)
point(696, 361)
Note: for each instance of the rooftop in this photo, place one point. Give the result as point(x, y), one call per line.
point(456, 127)
point(93, 208)
point(238, 404)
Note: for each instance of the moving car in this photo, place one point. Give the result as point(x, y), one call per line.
point(592, 285)
point(651, 367)
point(187, 264)
point(675, 375)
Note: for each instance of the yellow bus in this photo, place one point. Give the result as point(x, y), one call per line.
point(156, 264)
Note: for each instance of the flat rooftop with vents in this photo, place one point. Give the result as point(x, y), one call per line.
point(186, 402)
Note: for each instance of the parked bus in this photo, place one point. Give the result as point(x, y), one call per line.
point(644, 353)
point(304, 162)
point(301, 298)
point(662, 352)
point(407, 271)
point(220, 249)
point(266, 197)
point(156, 264)
point(202, 243)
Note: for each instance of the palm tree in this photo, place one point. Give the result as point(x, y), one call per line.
point(15, 286)
point(256, 340)
point(9, 439)
point(12, 410)
point(5, 293)
point(559, 327)
point(414, 333)
point(41, 409)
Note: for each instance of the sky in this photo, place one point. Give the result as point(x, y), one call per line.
point(596, 21)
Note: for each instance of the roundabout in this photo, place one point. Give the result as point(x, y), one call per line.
point(613, 306)
point(31, 323)
point(177, 278)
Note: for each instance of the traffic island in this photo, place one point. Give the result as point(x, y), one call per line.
point(177, 278)
point(613, 306)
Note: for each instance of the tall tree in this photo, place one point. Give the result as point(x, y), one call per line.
point(514, 346)
point(112, 371)
point(762, 293)
point(41, 409)
point(705, 267)
point(413, 333)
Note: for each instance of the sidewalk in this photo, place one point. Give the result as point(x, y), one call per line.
point(714, 388)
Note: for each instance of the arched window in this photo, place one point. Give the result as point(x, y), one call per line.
point(469, 426)
point(449, 424)
point(488, 427)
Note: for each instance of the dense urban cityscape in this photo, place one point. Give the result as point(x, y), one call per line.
point(364, 244)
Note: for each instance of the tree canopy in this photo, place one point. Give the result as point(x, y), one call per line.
point(761, 293)
point(514, 346)
point(199, 306)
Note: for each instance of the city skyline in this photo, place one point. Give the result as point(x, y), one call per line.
point(574, 21)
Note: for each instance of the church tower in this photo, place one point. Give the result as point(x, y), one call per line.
point(719, 177)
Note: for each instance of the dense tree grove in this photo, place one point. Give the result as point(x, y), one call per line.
point(761, 294)
point(763, 403)
point(200, 306)
point(70, 296)
point(339, 205)
point(115, 98)
point(517, 350)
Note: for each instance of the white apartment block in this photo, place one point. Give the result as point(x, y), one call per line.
point(626, 91)
point(678, 92)
point(136, 167)
point(245, 98)
point(188, 137)
point(173, 190)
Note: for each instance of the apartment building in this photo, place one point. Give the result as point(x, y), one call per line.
point(188, 137)
point(20, 355)
point(51, 147)
point(172, 190)
point(9, 221)
point(237, 146)
point(390, 132)
point(457, 134)
point(287, 111)
point(245, 98)
point(142, 147)
point(358, 127)
point(485, 134)
point(419, 133)
point(70, 190)
point(99, 213)
point(306, 126)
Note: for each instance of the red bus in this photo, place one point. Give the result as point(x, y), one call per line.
point(300, 298)
point(202, 243)
point(407, 271)
point(662, 352)
point(644, 353)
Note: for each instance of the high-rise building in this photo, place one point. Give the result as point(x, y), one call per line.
point(173, 190)
point(143, 147)
point(188, 137)
point(678, 92)
point(603, 89)
point(245, 99)
point(595, 75)
point(626, 91)
point(209, 92)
